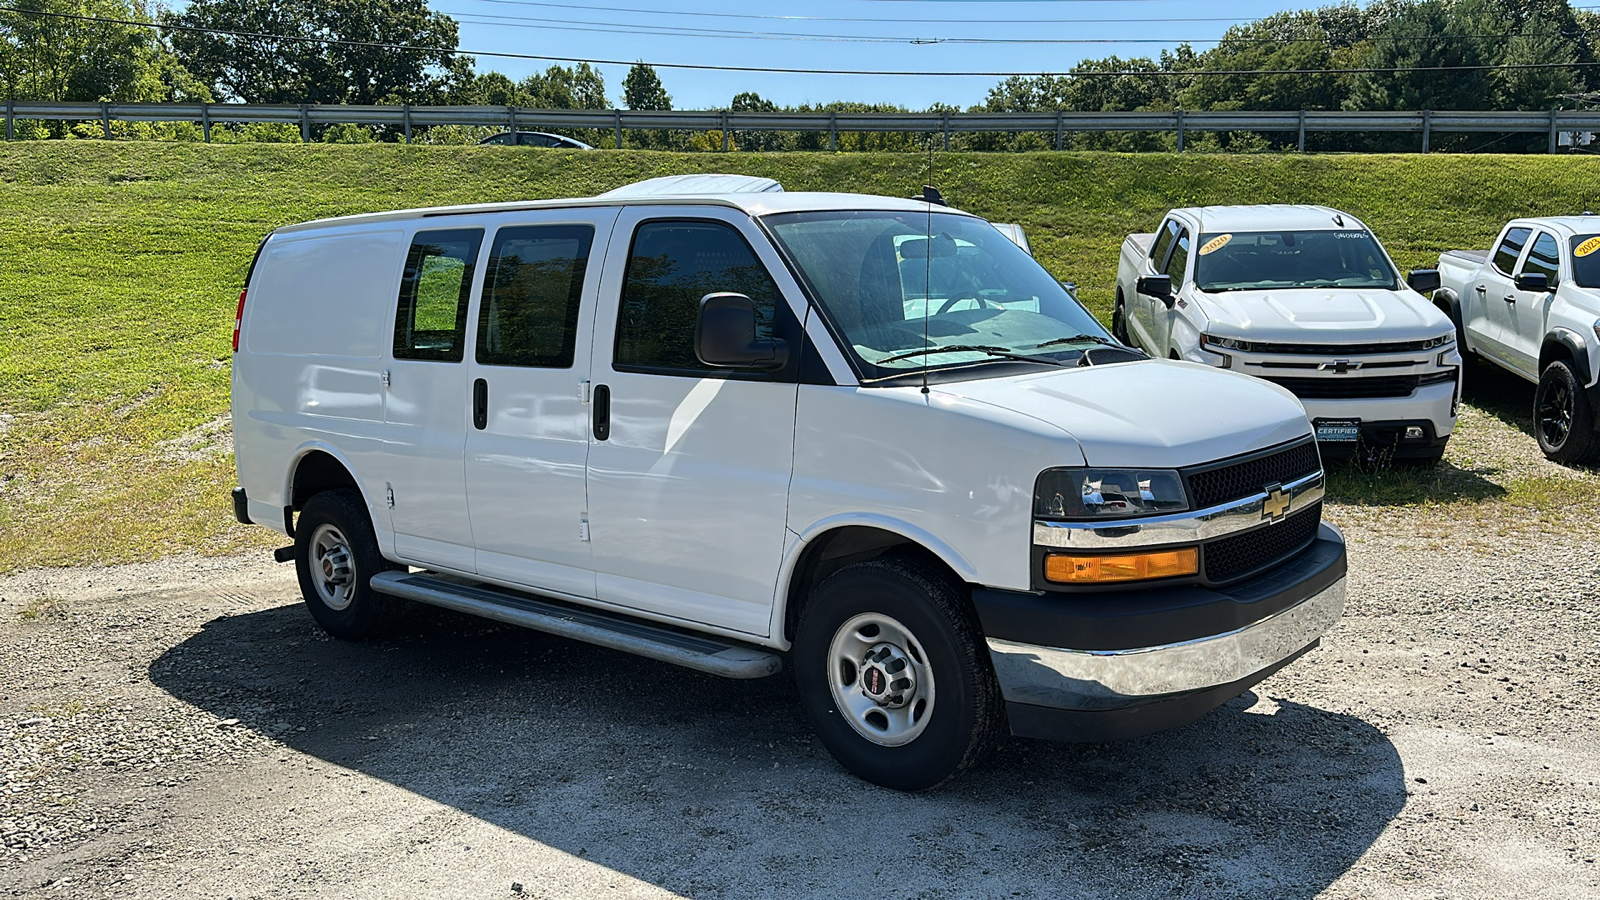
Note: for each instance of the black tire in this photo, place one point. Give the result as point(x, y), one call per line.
point(1449, 309)
point(1562, 419)
point(1119, 320)
point(336, 586)
point(963, 715)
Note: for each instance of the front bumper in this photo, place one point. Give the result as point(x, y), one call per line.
point(1095, 667)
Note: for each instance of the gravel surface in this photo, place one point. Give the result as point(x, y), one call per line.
point(182, 729)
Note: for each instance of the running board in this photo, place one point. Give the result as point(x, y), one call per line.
point(647, 639)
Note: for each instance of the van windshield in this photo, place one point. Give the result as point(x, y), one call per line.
point(877, 274)
point(1280, 260)
point(1585, 260)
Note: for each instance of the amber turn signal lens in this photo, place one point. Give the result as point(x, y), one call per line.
point(1065, 569)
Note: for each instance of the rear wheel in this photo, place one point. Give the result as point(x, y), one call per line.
point(336, 555)
point(1119, 321)
point(894, 675)
point(1562, 419)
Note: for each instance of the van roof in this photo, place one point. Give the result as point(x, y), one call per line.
point(1269, 217)
point(755, 204)
point(679, 185)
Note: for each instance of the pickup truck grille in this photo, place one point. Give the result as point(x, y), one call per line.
point(1349, 387)
point(1224, 482)
point(1232, 558)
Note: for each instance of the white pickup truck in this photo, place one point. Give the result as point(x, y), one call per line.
point(1304, 297)
point(1532, 305)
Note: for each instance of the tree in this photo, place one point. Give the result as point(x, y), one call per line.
point(642, 89)
point(44, 57)
point(304, 65)
point(751, 102)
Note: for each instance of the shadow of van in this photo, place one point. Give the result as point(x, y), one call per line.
point(712, 787)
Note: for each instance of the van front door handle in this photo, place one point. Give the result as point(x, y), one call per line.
point(480, 404)
point(602, 412)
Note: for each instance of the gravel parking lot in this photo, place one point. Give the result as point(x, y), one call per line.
point(180, 728)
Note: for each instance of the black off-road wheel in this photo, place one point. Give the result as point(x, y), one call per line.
point(894, 674)
point(336, 555)
point(1562, 419)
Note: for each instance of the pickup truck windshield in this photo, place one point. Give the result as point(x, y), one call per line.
point(878, 274)
point(1586, 265)
point(1287, 260)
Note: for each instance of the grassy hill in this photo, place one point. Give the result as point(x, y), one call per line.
point(120, 265)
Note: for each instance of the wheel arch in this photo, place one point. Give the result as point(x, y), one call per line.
point(316, 468)
point(833, 544)
point(1564, 343)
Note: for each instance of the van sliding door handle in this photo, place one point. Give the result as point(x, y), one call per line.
point(480, 404)
point(602, 412)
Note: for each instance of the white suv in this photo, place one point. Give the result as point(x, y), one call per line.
point(871, 434)
point(1304, 297)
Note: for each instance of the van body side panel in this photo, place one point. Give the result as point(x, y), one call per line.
point(960, 470)
point(527, 465)
point(310, 361)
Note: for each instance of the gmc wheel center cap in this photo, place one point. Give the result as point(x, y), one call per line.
point(874, 682)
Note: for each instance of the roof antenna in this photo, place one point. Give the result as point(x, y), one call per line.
point(1338, 220)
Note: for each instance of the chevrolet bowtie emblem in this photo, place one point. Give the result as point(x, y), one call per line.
point(1340, 366)
point(1276, 506)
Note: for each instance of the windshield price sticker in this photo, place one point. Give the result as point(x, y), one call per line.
point(1587, 247)
point(1215, 244)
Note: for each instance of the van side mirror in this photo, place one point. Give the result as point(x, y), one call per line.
point(1156, 286)
point(1533, 282)
point(1423, 281)
point(725, 335)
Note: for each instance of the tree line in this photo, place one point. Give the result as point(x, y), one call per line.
point(1388, 55)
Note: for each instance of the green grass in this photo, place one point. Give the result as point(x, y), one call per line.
point(120, 265)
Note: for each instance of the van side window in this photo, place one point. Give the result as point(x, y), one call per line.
point(1505, 255)
point(672, 265)
point(1163, 242)
point(1179, 260)
point(529, 314)
point(1544, 259)
point(431, 322)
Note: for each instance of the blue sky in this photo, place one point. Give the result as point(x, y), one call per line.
point(599, 29)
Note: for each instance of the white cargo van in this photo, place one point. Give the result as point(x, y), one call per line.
point(869, 435)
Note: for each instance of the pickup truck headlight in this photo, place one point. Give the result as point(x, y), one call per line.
point(1214, 344)
point(1439, 341)
point(1086, 494)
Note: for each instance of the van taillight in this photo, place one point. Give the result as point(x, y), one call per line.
point(238, 317)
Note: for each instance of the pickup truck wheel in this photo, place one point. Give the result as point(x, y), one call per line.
point(1119, 321)
point(336, 554)
point(894, 675)
point(1562, 419)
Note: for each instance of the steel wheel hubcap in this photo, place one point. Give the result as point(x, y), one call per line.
point(879, 676)
point(333, 567)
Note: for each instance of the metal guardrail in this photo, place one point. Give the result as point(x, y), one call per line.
point(1180, 122)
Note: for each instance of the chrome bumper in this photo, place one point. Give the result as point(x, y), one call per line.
point(1064, 678)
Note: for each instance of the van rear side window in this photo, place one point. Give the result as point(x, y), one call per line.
point(529, 315)
point(431, 323)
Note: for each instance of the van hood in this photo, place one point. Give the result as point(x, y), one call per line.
point(1154, 413)
point(1323, 315)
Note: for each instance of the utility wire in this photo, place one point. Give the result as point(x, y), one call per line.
point(721, 33)
point(411, 48)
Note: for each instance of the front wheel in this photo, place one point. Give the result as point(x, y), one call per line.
point(1562, 419)
point(1119, 321)
point(894, 675)
point(336, 555)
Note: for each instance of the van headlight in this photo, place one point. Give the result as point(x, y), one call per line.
point(1085, 494)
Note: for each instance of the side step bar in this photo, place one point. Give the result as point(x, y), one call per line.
point(663, 642)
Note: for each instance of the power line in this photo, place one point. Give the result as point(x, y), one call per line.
point(549, 24)
point(410, 48)
point(893, 20)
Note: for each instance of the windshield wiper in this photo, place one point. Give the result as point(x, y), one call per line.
point(970, 348)
point(1077, 339)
